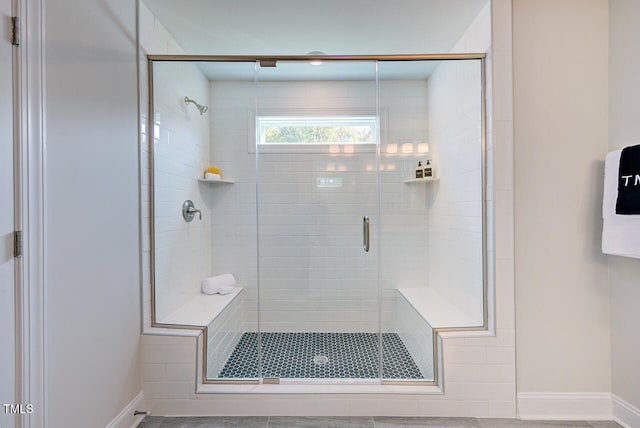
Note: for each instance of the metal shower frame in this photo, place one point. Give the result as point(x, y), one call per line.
point(271, 61)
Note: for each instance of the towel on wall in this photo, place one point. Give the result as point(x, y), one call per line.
point(628, 202)
point(220, 284)
point(620, 232)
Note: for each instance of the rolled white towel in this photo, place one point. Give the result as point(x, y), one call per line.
point(210, 176)
point(222, 284)
point(226, 290)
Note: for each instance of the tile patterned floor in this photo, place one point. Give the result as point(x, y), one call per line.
point(349, 356)
point(356, 422)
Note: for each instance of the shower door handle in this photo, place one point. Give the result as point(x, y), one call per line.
point(365, 233)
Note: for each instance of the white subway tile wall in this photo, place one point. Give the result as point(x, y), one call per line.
point(314, 275)
point(223, 334)
point(310, 236)
point(417, 335)
point(404, 228)
point(181, 151)
point(455, 206)
point(234, 234)
point(181, 154)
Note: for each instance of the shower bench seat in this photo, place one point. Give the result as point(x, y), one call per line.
point(436, 309)
point(201, 309)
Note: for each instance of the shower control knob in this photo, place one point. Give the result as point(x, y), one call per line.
point(189, 211)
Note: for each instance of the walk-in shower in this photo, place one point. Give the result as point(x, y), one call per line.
point(348, 205)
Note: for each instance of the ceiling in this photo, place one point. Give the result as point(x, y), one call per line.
point(297, 27)
point(334, 27)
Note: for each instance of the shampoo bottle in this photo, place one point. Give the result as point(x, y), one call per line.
point(428, 169)
point(420, 170)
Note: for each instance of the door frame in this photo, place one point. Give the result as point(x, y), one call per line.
point(30, 143)
point(12, 264)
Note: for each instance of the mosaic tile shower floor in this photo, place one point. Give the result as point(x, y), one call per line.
point(301, 356)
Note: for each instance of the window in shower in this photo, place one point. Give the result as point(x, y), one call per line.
point(292, 130)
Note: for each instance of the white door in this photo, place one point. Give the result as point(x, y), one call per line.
point(7, 269)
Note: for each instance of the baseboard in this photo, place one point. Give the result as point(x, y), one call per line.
point(126, 418)
point(625, 413)
point(595, 406)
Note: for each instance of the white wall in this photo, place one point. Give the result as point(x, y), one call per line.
point(455, 203)
point(154, 39)
point(223, 334)
point(404, 207)
point(314, 274)
point(92, 305)
point(455, 211)
point(624, 129)
point(234, 244)
point(181, 154)
point(416, 334)
point(560, 114)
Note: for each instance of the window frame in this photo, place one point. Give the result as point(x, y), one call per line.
point(309, 116)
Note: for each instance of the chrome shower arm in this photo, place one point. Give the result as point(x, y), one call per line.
point(202, 109)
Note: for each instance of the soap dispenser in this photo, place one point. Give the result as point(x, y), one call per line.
point(420, 170)
point(428, 169)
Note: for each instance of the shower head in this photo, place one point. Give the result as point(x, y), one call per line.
point(202, 109)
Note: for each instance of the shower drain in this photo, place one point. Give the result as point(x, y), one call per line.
point(320, 360)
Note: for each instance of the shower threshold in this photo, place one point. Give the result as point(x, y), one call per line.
point(300, 356)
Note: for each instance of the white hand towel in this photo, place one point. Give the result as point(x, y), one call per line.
point(210, 176)
point(620, 233)
point(222, 284)
point(226, 290)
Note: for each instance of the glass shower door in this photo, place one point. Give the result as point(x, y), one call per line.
point(316, 143)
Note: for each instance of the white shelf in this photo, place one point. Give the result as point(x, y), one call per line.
point(436, 309)
point(201, 309)
point(418, 180)
point(220, 181)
